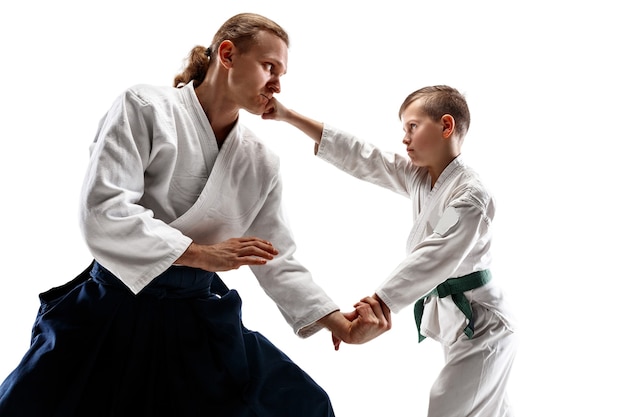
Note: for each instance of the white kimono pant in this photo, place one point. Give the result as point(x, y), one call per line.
point(474, 378)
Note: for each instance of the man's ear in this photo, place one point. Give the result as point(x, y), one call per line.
point(225, 52)
point(448, 124)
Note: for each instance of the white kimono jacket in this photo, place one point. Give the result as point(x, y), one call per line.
point(450, 236)
point(157, 181)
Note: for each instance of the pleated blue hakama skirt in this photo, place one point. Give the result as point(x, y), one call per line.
point(176, 349)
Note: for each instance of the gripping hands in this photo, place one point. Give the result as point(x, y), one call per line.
point(371, 318)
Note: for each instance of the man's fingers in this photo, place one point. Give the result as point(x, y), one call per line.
point(336, 342)
point(254, 251)
point(253, 246)
point(259, 243)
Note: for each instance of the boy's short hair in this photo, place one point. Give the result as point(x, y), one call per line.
point(440, 100)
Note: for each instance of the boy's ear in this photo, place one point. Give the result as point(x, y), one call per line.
point(448, 124)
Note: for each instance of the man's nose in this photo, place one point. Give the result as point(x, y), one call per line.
point(274, 86)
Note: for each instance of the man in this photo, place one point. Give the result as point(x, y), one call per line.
point(176, 190)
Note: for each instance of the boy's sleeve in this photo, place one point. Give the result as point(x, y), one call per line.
point(436, 258)
point(365, 161)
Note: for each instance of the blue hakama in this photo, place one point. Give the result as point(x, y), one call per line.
point(178, 348)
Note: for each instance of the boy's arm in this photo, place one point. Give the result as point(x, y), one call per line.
point(384, 169)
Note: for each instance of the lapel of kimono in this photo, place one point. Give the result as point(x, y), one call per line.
point(428, 199)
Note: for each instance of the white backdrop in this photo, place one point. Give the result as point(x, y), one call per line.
point(545, 85)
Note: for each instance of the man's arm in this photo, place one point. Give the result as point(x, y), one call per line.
point(228, 255)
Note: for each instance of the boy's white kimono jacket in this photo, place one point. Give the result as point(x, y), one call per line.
point(157, 181)
point(450, 237)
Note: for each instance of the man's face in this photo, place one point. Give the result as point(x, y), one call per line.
point(254, 76)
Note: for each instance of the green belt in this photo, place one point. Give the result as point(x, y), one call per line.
point(454, 287)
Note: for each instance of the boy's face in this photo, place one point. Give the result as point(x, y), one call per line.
point(254, 76)
point(423, 136)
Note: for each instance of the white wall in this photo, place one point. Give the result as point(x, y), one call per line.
point(545, 84)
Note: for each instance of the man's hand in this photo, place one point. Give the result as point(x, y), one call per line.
point(228, 255)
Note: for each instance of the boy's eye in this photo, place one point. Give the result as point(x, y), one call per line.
point(269, 66)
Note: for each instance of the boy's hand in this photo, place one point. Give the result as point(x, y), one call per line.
point(274, 110)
